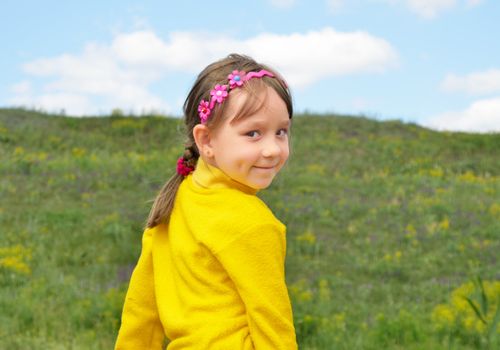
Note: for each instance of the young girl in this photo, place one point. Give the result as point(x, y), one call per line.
point(211, 270)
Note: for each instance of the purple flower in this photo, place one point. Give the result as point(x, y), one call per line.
point(219, 93)
point(236, 78)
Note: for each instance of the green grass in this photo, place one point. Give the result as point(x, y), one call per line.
point(385, 220)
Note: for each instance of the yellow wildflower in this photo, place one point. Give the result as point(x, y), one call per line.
point(436, 172)
point(410, 231)
point(15, 258)
point(318, 169)
point(469, 176)
point(459, 314)
point(398, 255)
point(443, 316)
point(495, 210)
point(307, 237)
point(339, 321)
point(69, 176)
point(78, 152)
point(444, 224)
point(18, 151)
point(15, 264)
point(305, 295)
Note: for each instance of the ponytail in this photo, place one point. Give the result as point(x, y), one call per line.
point(164, 202)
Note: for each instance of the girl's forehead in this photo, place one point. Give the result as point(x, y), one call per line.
point(255, 106)
point(265, 117)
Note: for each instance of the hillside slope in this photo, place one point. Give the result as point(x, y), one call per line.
point(385, 220)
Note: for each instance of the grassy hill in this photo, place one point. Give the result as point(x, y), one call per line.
point(389, 227)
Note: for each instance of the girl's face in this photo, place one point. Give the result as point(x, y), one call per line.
point(252, 149)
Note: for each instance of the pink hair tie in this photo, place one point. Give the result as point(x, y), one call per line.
point(182, 168)
point(220, 92)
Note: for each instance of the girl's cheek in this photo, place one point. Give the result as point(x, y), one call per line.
point(286, 150)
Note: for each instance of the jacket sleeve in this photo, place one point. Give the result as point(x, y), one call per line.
point(255, 262)
point(141, 327)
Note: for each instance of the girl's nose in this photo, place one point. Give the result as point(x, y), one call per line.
point(271, 149)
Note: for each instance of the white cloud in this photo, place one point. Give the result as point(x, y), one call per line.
point(430, 8)
point(477, 83)
point(315, 55)
point(480, 116)
point(282, 3)
point(76, 104)
point(120, 74)
point(335, 53)
point(23, 87)
point(183, 51)
point(472, 3)
point(76, 81)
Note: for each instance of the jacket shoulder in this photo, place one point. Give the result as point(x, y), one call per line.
point(233, 213)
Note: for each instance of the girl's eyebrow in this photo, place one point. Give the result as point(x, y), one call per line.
point(286, 122)
point(254, 123)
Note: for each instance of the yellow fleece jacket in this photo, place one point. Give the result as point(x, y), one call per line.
point(214, 278)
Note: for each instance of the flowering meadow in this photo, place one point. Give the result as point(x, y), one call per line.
point(393, 229)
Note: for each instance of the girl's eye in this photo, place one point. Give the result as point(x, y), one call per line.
point(253, 133)
point(282, 132)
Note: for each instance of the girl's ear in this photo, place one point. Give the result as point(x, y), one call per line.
point(202, 137)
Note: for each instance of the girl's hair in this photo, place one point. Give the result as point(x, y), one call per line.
point(215, 73)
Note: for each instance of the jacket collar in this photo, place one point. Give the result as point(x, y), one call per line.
point(209, 177)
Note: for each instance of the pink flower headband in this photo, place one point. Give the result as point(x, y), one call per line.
point(220, 92)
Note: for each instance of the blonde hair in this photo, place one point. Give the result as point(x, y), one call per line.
point(215, 73)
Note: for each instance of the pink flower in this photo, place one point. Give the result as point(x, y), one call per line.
point(219, 93)
point(204, 111)
point(236, 79)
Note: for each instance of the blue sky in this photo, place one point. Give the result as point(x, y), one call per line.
point(433, 62)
